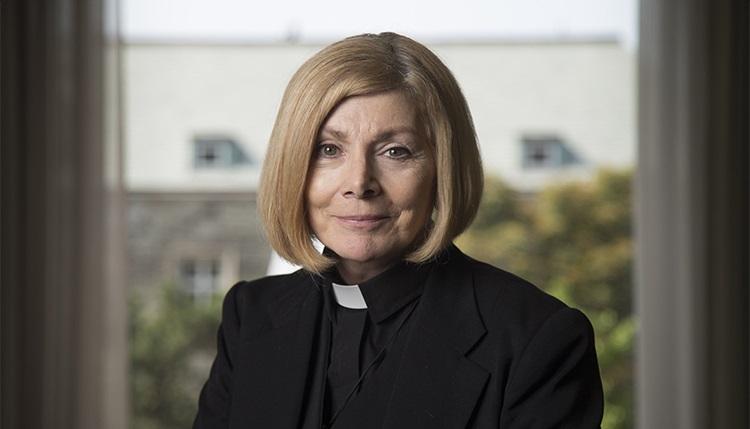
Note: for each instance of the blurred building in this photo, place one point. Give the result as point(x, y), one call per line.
point(197, 119)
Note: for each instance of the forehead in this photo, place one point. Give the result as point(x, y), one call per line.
point(372, 112)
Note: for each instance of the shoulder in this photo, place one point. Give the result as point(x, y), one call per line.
point(505, 291)
point(515, 306)
point(270, 288)
point(259, 302)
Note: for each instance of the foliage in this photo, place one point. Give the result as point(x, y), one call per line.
point(574, 240)
point(172, 341)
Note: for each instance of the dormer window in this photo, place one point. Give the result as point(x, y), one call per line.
point(547, 151)
point(217, 152)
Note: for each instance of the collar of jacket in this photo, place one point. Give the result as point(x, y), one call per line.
point(435, 371)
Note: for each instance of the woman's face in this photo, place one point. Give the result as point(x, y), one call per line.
point(370, 187)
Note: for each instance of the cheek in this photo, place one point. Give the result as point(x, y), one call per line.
point(314, 206)
point(318, 191)
point(416, 194)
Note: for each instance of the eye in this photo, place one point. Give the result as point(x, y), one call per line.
point(398, 152)
point(327, 150)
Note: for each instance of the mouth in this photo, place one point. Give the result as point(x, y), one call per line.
point(362, 221)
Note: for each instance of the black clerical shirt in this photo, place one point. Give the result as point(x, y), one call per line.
point(359, 336)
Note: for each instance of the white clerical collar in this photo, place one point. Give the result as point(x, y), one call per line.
point(349, 296)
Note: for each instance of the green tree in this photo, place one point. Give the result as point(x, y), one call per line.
point(574, 240)
point(172, 342)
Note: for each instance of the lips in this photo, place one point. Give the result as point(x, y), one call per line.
point(362, 218)
point(362, 221)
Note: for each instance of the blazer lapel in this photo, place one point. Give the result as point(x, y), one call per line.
point(437, 385)
point(282, 359)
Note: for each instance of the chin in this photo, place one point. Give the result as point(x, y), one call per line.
point(361, 252)
point(360, 255)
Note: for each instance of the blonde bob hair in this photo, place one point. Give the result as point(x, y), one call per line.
point(361, 65)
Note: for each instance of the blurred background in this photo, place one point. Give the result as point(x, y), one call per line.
point(614, 138)
point(551, 87)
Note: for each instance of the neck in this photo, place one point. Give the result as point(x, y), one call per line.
point(353, 272)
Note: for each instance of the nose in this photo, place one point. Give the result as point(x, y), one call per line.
point(360, 181)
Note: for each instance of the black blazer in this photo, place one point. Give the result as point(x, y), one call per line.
point(488, 350)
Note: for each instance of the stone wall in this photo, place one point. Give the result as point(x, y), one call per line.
point(167, 229)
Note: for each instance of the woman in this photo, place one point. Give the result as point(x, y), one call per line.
point(374, 154)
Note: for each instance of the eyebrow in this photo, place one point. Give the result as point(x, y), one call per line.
point(383, 135)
